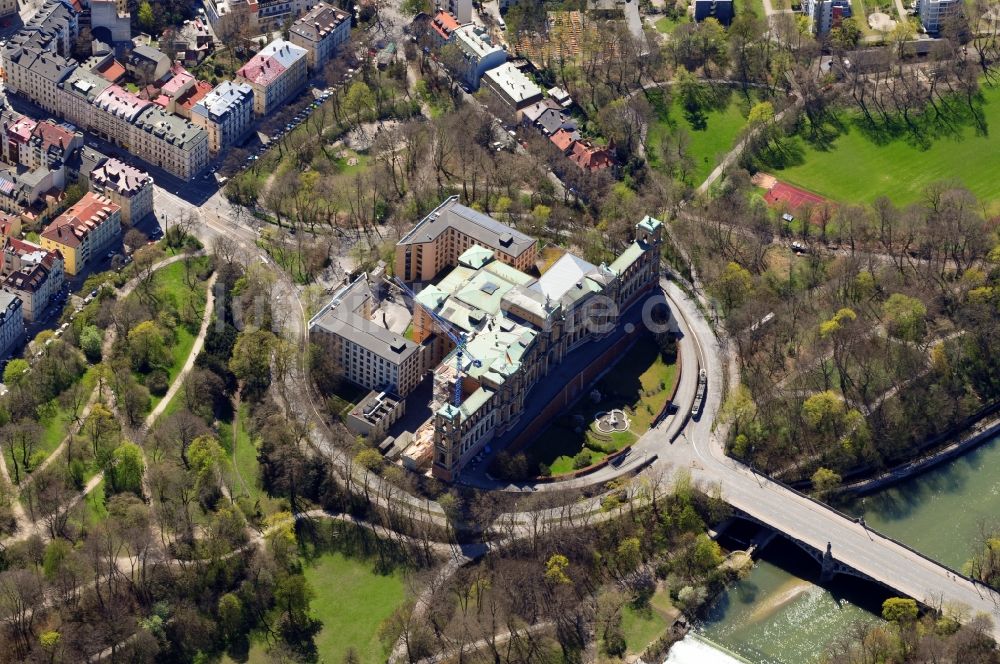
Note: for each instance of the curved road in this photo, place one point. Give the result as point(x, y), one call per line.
point(698, 448)
point(797, 516)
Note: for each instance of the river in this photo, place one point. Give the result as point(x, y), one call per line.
point(779, 616)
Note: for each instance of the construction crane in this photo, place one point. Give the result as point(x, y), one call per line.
point(456, 337)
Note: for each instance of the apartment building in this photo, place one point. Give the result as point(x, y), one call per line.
point(84, 231)
point(437, 241)
point(169, 142)
point(366, 353)
point(147, 131)
point(512, 87)
point(147, 64)
point(50, 145)
point(56, 24)
point(126, 186)
point(35, 66)
point(277, 73)
point(226, 115)
point(255, 15)
point(11, 323)
point(8, 8)
point(475, 54)
point(77, 94)
point(460, 9)
point(33, 195)
point(320, 31)
point(934, 13)
point(35, 72)
point(32, 273)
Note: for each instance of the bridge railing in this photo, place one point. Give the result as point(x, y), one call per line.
point(877, 533)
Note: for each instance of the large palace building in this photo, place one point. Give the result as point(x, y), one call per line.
point(517, 327)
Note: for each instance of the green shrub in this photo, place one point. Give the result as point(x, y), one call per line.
point(36, 460)
point(582, 459)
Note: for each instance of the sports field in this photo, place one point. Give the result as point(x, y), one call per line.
point(856, 169)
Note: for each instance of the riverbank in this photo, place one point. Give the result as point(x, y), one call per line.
point(984, 425)
point(984, 432)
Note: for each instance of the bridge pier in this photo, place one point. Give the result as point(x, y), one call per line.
point(828, 565)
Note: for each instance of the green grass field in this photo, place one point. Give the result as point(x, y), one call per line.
point(643, 626)
point(352, 601)
point(666, 24)
point(244, 459)
point(55, 424)
point(857, 170)
point(708, 142)
point(641, 371)
point(170, 283)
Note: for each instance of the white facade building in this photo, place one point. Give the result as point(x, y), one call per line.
point(226, 113)
point(276, 73)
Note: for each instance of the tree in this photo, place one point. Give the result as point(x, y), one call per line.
point(734, 285)
point(16, 373)
point(847, 35)
point(899, 610)
point(825, 480)
point(230, 610)
point(91, 341)
point(147, 348)
point(251, 361)
point(146, 18)
point(204, 455)
point(555, 569)
point(904, 317)
point(360, 101)
point(127, 469)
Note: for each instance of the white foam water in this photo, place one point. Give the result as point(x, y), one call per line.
point(694, 650)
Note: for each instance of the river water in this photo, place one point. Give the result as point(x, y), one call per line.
point(778, 615)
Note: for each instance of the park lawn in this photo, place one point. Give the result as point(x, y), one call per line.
point(564, 463)
point(857, 170)
point(96, 508)
point(707, 144)
point(55, 425)
point(666, 24)
point(352, 602)
point(642, 626)
point(242, 457)
point(170, 282)
point(344, 168)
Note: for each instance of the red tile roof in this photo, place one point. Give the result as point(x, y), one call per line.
point(563, 139)
point(590, 158)
point(195, 94)
point(444, 23)
point(73, 225)
point(261, 70)
point(23, 128)
point(52, 134)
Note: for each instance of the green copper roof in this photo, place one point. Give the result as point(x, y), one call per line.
point(649, 224)
point(475, 257)
point(633, 253)
point(508, 273)
point(468, 408)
